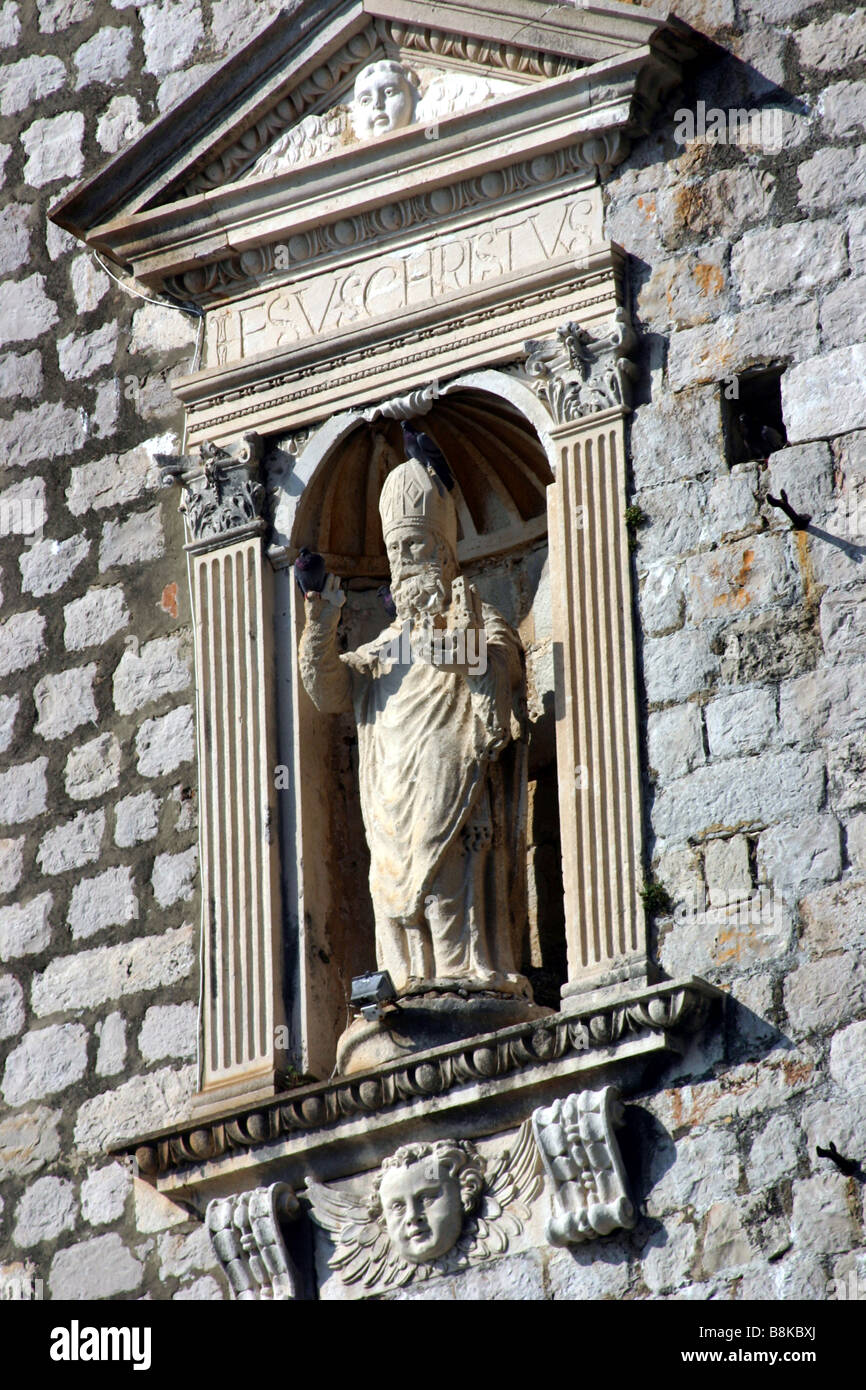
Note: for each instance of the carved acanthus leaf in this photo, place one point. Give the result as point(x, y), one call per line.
point(222, 491)
point(575, 374)
point(581, 1158)
point(245, 1234)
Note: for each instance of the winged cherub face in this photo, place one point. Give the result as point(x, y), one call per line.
point(423, 1210)
point(384, 100)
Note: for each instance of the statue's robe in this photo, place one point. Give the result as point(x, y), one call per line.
point(442, 796)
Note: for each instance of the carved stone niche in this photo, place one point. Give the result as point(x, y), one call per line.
point(382, 221)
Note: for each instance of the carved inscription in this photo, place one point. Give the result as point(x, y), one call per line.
point(386, 286)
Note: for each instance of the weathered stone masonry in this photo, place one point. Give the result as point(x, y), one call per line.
point(752, 657)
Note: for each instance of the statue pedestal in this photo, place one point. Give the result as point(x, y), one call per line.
point(418, 1022)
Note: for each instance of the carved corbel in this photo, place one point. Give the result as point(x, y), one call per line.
point(222, 490)
point(246, 1236)
point(581, 1157)
point(575, 374)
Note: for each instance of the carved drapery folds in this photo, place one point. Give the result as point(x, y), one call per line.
point(582, 1161)
point(246, 1237)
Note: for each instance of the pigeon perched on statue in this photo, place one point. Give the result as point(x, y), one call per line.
point(420, 446)
point(384, 595)
point(310, 571)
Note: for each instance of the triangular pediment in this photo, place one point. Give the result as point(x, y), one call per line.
point(303, 66)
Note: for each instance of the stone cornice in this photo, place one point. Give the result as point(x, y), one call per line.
point(246, 88)
point(518, 1066)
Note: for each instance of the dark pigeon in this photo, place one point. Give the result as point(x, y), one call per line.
point(772, 440)
point(762, 440)
point(383, 593)
point(421, 447)
point(310, 571)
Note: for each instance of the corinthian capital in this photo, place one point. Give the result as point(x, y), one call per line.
point(575, 374)
point(222, 490)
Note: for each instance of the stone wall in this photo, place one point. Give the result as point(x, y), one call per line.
point(752, 654)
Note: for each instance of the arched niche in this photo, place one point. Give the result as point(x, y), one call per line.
point(492, 430)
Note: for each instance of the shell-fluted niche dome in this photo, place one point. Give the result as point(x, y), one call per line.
point(501, 475)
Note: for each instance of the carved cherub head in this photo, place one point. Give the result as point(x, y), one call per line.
point(386, 98)
point(433, 1209)
point(423, 1193)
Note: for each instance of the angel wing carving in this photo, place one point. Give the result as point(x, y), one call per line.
point(492, 1202)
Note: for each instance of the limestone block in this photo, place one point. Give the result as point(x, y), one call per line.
point(742, 575)
point(153, 1210)
point(24, 927)
point(678, 666)
point(848, 1058)
point(685, 290)
point(23, 791)
point(112, 1045)
point(846, 774)
point(580, 1273)
point(825, 992)
point(174, 877)
point(773, 1155)
point(843, 108)
point(834, 917)
point(54, 147)
point(169, 1030)
point(675, 520)
point(14, 236)
point(812, 253)
point(111, 972)
point(716, 205)
point(692, 1173)
point(768, 788)
point(843, 315)
point(840, 1120)
point(178, 85)
point(97, 1268)
point(28, 1141)
point(11, 864)
point(180, 1254)
point(801, 855)
point(743, 722)
point(171, 32)
point(834, 43)
point(156, 328)
point(45, 432)
point(634, 222)
point(831, 178)
point(104, 1193)
point(677, 437)
point(233, 22)
point(732, 504)
point(10, 24)
point(72, 843)
point(89, 283)
point(44, 1062)
point(106, 409)
point(82, 354)
point(805, 471)
point(675, 741)
point(65, 701)
point(200, 1290)
point(666, 1258)
point(153, 1101)
point(22, 641)
point(93, 768)
point(855, 837)
point(91, 620)
point(726, 864)
point(119, 125)
point(58, 242)
point(734, 342)
point(47, 1208)
point(11, 1007)
point(662, 603)
point(133, 541)
point(9, 705)
point(118, 479)
point(46, 566)
point(136, 819)
point(725, 1244)
point(105, 901)
point(163, 744)
point(27, 81)
point(104, 58)
point(156, 670)
point(20, 375)
point(55, 15)
point(843, 628)
point(821, 1221)
point(857, 239)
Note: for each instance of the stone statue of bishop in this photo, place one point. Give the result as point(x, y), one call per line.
point(437, 698)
